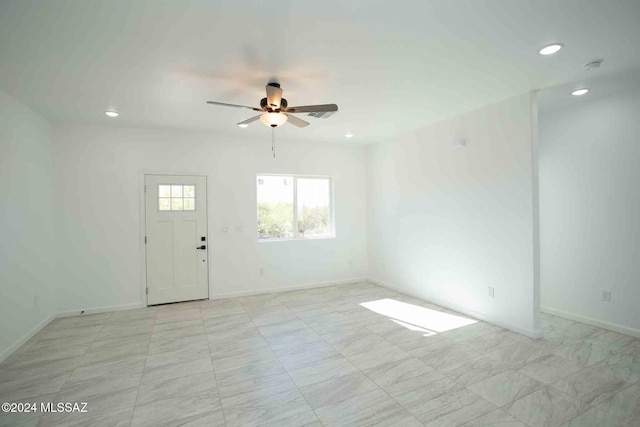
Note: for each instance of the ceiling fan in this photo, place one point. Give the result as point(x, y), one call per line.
point(275, 111)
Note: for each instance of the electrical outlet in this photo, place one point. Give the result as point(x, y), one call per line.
point(606, 296)
point(491, 292)
point(224, 229)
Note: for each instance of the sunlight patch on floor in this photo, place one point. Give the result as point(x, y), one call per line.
point(406, 314)
point(423, 331)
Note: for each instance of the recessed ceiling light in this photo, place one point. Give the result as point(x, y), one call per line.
point(243, 125)
point(111, 113)
point(348, 135)
point(551, 49)
point(580, 92)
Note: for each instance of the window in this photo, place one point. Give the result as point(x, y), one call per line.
point(176, 197)
point(294, 207)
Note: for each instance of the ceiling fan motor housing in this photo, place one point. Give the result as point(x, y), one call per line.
point(264, 104)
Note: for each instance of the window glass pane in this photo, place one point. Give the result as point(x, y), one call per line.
point(176, 191)
point(164, 204)
point(189, 191)
point(275, 207)
point(176, 204)
point(314, 211)
point(189, 204)
point(164, 191)
point(176, 197)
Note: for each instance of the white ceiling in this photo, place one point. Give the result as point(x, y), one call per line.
point(391, 66)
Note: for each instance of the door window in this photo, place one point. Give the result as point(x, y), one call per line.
point(176, 197)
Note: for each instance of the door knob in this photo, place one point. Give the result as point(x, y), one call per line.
point(203, 247)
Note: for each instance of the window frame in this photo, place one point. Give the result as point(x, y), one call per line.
point(296, 236)
point(195, 203)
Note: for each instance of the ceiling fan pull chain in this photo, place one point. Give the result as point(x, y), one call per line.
point(273, 142)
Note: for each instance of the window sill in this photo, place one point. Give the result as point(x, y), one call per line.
point(296, 239)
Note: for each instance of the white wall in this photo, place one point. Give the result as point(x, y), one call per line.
point(590, 209)
point(99, 222)
point(26, 250)
point(446, 224)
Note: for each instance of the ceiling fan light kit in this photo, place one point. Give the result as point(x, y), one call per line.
point(273, 119)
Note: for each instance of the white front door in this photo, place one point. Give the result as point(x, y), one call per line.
point(176, 238)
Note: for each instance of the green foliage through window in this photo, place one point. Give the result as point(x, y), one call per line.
point(314, 221)
point(293, 207)
point(275, 220)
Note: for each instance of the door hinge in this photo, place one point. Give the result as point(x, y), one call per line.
point(145, 240)
point(147, 291)
point(145, 188)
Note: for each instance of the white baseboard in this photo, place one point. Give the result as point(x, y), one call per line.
point(98, 310)
point(107, 309)
point(288, 288)
point(16, 345)
point(593, 322)
point(480, 316)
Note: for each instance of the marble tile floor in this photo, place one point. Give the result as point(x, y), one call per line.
point(317, 357)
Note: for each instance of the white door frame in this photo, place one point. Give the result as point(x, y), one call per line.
point(142, 227)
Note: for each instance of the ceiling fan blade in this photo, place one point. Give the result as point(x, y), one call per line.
point(274, 96)
point(233, 105)
point(245, 123)
point(296, 121)
point(312, 108)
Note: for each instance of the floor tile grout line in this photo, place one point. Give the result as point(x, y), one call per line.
point(581, 411)
point(438, 370)
point(530, 376)
point(285, 369)
point(363, 373)
point(508, 403)
point(623, 421)
point(264, 338)
point(56, 394)
point(393, 398)
point(149, 349)
point(493, 410)
point(76, 366)
point(388, 395)
point(135, 402)
point(83, 356)
point(224, 416)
